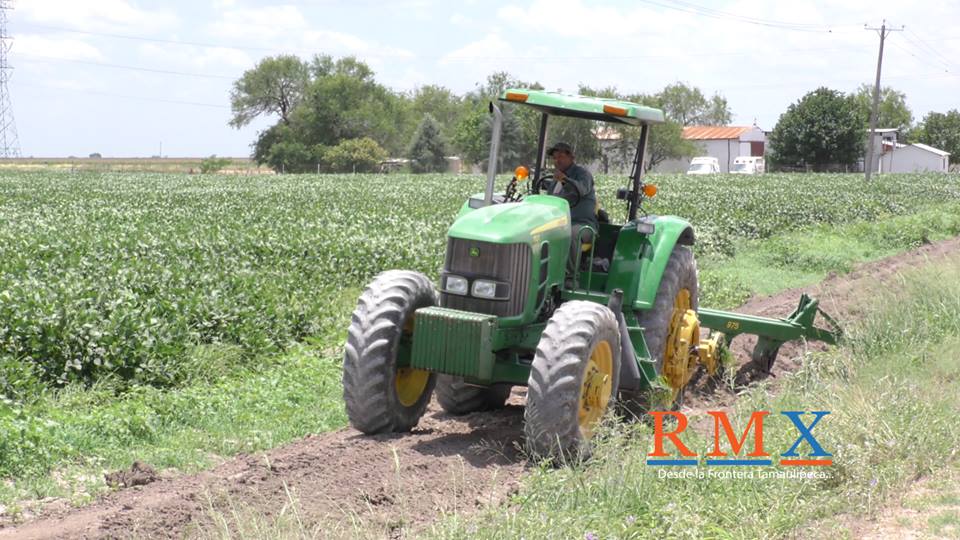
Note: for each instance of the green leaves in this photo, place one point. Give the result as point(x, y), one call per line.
point(126, 276)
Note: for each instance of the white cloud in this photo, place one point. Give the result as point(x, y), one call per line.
point(55, 47)
point(223, 61)
point(491, 46)
point(252, 24)
point(285, 28)
point(94, 15)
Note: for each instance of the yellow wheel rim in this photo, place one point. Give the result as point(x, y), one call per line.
point(596, 388)
point(409, 382)
point(682, 335)
point(410, 385)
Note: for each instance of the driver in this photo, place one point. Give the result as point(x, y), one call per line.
point(575, 184)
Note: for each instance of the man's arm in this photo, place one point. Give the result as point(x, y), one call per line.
point(579, 177)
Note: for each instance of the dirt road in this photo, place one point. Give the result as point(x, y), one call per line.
point(396, 484)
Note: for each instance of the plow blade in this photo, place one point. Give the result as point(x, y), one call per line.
point(772, 333)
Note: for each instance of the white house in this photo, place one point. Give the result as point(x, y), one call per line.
point(891, 155)
point(905, 158)
point(725, 143)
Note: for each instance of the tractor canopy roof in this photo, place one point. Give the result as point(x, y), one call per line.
point(588, 107)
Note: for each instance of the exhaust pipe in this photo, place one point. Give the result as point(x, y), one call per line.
point(494, 152)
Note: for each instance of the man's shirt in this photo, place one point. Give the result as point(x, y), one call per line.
point(580, 180)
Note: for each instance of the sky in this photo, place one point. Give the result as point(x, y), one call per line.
point(137, 78)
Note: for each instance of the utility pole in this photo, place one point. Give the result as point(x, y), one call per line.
point(868, 164)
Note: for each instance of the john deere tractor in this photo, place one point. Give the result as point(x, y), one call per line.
point(625, 328)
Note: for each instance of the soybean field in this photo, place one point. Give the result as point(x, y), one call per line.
point(119, 275)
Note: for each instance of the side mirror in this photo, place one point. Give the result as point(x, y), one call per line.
point(622, 194)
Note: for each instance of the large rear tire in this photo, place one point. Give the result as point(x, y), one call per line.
point(573, 380)
point(679, 275)
point(457, 397)
point(379, 396)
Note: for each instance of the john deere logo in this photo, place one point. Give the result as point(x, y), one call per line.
point(474, 252)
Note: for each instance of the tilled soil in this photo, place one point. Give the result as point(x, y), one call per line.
point(395, 485)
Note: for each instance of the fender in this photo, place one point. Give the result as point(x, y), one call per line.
point(669, 231)
point(640, 259)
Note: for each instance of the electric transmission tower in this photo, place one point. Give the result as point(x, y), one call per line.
point(9, 142)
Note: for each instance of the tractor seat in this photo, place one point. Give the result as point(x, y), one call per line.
point(602, 217)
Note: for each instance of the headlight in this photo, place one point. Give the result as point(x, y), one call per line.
point(646, 228)
point(483, 288)
point(456, 285)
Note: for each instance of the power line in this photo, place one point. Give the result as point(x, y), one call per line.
point(124, 96)
point(33, 58)
point(558, 58)
point(696, 9)
point(943, 58)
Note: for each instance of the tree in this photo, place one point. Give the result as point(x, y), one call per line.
point(518, 142)
point(824, 127)
point(941, 131)
point(427, 150)
point(688, 106)
point(274, 86)
point(213, 164)
point(666, 140)
point(892, 112)
point(344, 101)
point(354, 155)
point(439, 102)
point(292, 157)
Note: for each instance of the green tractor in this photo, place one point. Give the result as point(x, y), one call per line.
point(625, 329)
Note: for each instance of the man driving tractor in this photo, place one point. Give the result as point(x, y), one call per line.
point(575, 184)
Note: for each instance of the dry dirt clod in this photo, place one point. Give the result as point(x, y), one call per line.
point(139, 474)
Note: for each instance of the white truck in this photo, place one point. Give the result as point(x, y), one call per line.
point(704, 165)
point(748, 165)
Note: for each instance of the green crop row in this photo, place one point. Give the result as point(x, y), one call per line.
point(121, 275)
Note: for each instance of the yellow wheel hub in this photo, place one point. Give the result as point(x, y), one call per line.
point(683, 336)
point(409, 382)
point(410, 385)
point(596, 388)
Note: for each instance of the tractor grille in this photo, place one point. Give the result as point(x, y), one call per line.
point(501, 262)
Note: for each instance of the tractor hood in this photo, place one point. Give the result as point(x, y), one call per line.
point(509, 223)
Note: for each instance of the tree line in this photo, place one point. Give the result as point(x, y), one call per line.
point(333, 116)
point(828, 128)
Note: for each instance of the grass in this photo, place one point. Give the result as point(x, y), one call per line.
point(893, 394)
point(81, 433)
point(807, 256)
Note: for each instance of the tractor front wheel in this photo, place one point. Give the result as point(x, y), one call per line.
point(573, 380)
point(380, 396)
point(457, 397)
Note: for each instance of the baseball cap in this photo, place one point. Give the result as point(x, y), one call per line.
point(560, 147)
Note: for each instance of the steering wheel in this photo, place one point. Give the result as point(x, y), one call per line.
point(545, 185)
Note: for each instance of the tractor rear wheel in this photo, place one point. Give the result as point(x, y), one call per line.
point(381, 397)
point(573, 380)
point(678, 291)
point(457, 397)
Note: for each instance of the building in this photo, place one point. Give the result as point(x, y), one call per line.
point(892, 156)
point(907, 158)
point(725, 143)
